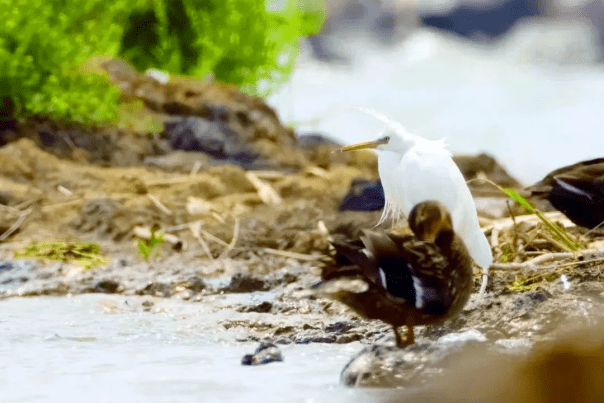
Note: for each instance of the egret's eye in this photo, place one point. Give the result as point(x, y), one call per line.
point(386, 139)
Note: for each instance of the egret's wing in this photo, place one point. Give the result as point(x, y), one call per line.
point(432, 175)
point(424, 175)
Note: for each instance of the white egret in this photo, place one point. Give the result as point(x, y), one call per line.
point(414, 170)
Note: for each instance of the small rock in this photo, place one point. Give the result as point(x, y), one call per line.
point(195, 284)
point(16, 272)
point(338, 327)
point(245, 283)
point(263, 307)
point(264, 354)
point(155, 289)
point(107, 286)
point(348, 338)
point(529, 300)
point(5, 266)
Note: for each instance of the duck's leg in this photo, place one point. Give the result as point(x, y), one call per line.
point(409, 337)
point(397, 337)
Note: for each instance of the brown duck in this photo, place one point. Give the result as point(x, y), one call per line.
point(576, 190)
point(403, 280)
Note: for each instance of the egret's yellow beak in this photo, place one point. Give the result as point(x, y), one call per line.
point(365, 144)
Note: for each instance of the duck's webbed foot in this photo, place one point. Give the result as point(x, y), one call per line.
point(409, 337)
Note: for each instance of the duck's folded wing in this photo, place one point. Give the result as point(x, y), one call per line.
point(350, 257)
point(429, 270)
point(432, 295)
point(590, 190)
point(592, 170)
point(366, 254)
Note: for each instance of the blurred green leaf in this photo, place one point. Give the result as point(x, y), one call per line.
point(45, 44)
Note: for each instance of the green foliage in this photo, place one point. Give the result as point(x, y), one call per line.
point(146, 248)
point(238, 41)
point(555, 230)
point(44, 46)
point(508, 254)
point(81, 253)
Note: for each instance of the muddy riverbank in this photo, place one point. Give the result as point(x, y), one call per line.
point(244, 234)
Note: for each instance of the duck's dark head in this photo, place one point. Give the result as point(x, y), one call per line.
point(431, 221)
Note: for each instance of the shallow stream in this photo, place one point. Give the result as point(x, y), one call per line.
point(106, 349)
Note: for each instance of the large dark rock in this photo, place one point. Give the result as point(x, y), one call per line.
point(211, 137)
point(413, 366)
point(482, 21)
point(364, 195)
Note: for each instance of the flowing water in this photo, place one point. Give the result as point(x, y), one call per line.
point(100, 348)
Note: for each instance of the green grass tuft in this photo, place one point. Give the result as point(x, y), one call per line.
point(81, 253)
point(558, 233)
point(147, 248)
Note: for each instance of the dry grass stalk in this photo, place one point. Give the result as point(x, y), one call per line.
point(264, 190)
point(159, 205)
point(195, 228)
point(293, 255)
point(233, 242)
point(588, 256)
point(145, 233)
point(21, 217)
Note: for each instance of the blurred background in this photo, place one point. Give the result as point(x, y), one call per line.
point(519, 79)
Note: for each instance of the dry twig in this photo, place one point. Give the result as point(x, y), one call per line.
point(594, 255)
point(159, 205)
point(195, 169)
point(213, 237)
point(293, 255)
point(145, 233)
point(195, 228)
point(22, 215)
point(269, 175)
point(231, 245)
point(264, 190)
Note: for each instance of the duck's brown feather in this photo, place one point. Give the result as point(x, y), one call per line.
point(412, 267)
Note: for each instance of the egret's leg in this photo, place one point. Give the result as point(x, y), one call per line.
point(485, 281)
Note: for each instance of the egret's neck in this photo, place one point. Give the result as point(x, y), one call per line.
point(401, 146)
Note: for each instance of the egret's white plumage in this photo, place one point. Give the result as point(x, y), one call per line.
point(413, 170)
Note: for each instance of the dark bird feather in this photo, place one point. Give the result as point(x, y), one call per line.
point(403, 280)
point(576, 190)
